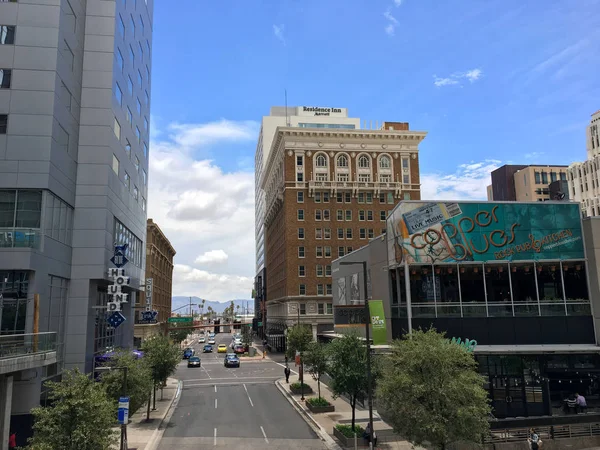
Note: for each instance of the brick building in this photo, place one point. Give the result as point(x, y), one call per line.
point(327, 193)
point(159, 267)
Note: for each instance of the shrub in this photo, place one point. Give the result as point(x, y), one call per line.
point(346, 430)
point(318, 401)
point(298, 385)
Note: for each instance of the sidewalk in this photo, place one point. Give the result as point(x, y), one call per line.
point(142, 435)
point(342, 415)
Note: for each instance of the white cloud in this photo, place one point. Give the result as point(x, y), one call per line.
point(397, 2)
point(278, 32)
point(212, 256)
point(534, 155)
point(457, 78)
point(469, 182)
point(204, 209)
point(390, 28)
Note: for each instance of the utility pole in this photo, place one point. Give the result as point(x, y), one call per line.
point(191, 307)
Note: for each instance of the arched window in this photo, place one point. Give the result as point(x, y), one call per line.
point(321, 161)
point(363, 162)
point(385, 162)
point(342, 161)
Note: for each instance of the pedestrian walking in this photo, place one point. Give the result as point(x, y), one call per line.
point(534, 440)
point(12, 441)
point(287, 372)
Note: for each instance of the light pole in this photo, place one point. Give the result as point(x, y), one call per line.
point(368, 338)
point(123, 445)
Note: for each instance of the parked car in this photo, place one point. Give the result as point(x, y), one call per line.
point(232, 360)
point(239, 349)
point(194, 361)
point(208, 348)
point(188, 352)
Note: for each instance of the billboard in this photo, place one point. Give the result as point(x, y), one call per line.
point(449, 232)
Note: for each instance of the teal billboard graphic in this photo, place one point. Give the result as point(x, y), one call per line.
point(444, 232)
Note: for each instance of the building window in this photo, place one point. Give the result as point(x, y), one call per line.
point(340, 215)
point(329, 308)
point(20, 209)
point(321, 308)
point(118, 94)
point(370, 215)
point(327, 251)
point(321, 161)
point(301, 252)
point(131, 55)
point(300, 214)
point(390, 198)
point(385, 162)
point(122, 236)
point(327, 233)
point(326, 215)
point(348, 233)
point(138, 135)
point(348, 197)
point(364, 177)
point(325, 197)
point(300, 197)
point(348, 250)
point(301, 271)
point(339, 197)
point(343, 177)
point(318, 214)
point(341, 251)
point(121, 26)
point(299, 160)
point(328, 289)
point(147, 97)
point(328, 270)
point(369, 197)
point(299, 177)
point(303, 306)
point(129, 116)
point(320, 290)
point(145, 149)
point(319, 270)
point(318, 233)
point(138, 106)
point(319, 252)
point(371, 233)
point(340, 233)
point(405, 163)
point(128, 148)
point(382, 198)
point(364, 162)
point(144, 177)
point(3, 123)
point(317, 197)
point(58, 219)
point(143, 203)
point(127, 180)
point(132, 23)
point(7, 34)
point(120, 61)
point(382, 216)
point(361, 197)
point(302, 289)
point(136, 163)
point(348, 215)
point(146, 124)
point(362, 233)
point(5, 77)
point(300, 233)
point(117, 129)
point(361, 215)
point(538, 179)
point(342, 161)
point(136, 192)
point(115, 164)
point(405, 179)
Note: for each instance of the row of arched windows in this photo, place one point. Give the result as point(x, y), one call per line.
point(342, 161)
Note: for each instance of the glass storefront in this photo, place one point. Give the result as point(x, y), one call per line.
point(14, 286)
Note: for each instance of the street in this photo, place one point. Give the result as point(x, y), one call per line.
point(237, 408)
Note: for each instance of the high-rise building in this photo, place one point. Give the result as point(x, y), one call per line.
point(584, 177)
point(525, 183)
point(74, 133)
point(281, 116)
point(159, 285)
point(327, 192)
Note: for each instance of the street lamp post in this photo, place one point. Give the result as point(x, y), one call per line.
point(123, 445)
point(368, 338)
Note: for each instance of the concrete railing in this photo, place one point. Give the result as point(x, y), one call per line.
point(14, 345)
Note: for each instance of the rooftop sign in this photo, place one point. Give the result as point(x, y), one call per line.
point(321, 111)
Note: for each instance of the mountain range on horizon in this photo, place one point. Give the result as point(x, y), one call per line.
point(219, 307)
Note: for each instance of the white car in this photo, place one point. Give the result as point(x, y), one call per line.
point(211, 341)
point(202, 340)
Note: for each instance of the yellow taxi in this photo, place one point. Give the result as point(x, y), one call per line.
point(222, 348)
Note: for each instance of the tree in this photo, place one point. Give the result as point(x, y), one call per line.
point(317, 361)
point(139, 379)
point(432, 391)
point(81, 417)
point(298, 338)
point(246, 336)
point(178, 334)
point(348, 369)
point(162, 357)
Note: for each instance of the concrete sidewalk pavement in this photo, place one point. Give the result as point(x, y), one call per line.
point(324, 423)
point(145, 435)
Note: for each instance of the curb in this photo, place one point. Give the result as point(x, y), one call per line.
point(158, 433)
point(308, 418)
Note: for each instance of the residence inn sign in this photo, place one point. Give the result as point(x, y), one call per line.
point(443, 232)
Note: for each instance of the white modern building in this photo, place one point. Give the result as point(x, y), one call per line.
point(584, 182)
point(74, 134)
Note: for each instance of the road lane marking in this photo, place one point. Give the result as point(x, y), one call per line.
point(209, 377)
point(283, 365)
point(215, 388)
point(215, 403)
point(272, 382)
point(264, 434)
point(215, 438)
point(246, 389)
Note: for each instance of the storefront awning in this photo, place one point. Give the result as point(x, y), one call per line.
point(535, 349)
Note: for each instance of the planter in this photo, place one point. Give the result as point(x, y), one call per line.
point(298, 391)
point(348, 442)
point(320, 409)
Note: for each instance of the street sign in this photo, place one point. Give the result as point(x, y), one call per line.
point(260, 324)
point(179, 319)
point(123, 410)
point(116, 319)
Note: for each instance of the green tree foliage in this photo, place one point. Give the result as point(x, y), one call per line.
point(162, 357)
point(298, 338)
point(139, 380)
point(82, 416)
point(432, 391)
point(316, 361)
point(178, 334)
point(246, 335)
point(348, 369)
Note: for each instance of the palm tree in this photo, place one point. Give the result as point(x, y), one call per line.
point(237, 310)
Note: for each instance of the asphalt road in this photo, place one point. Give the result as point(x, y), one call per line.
point(237, 408)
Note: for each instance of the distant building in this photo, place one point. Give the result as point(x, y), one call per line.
point(159, 274)
point(583, 176)
point(524, 183)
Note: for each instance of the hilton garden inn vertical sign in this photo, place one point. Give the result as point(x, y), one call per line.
point(115, 290)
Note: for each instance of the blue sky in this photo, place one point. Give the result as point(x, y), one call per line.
point(491, 82)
